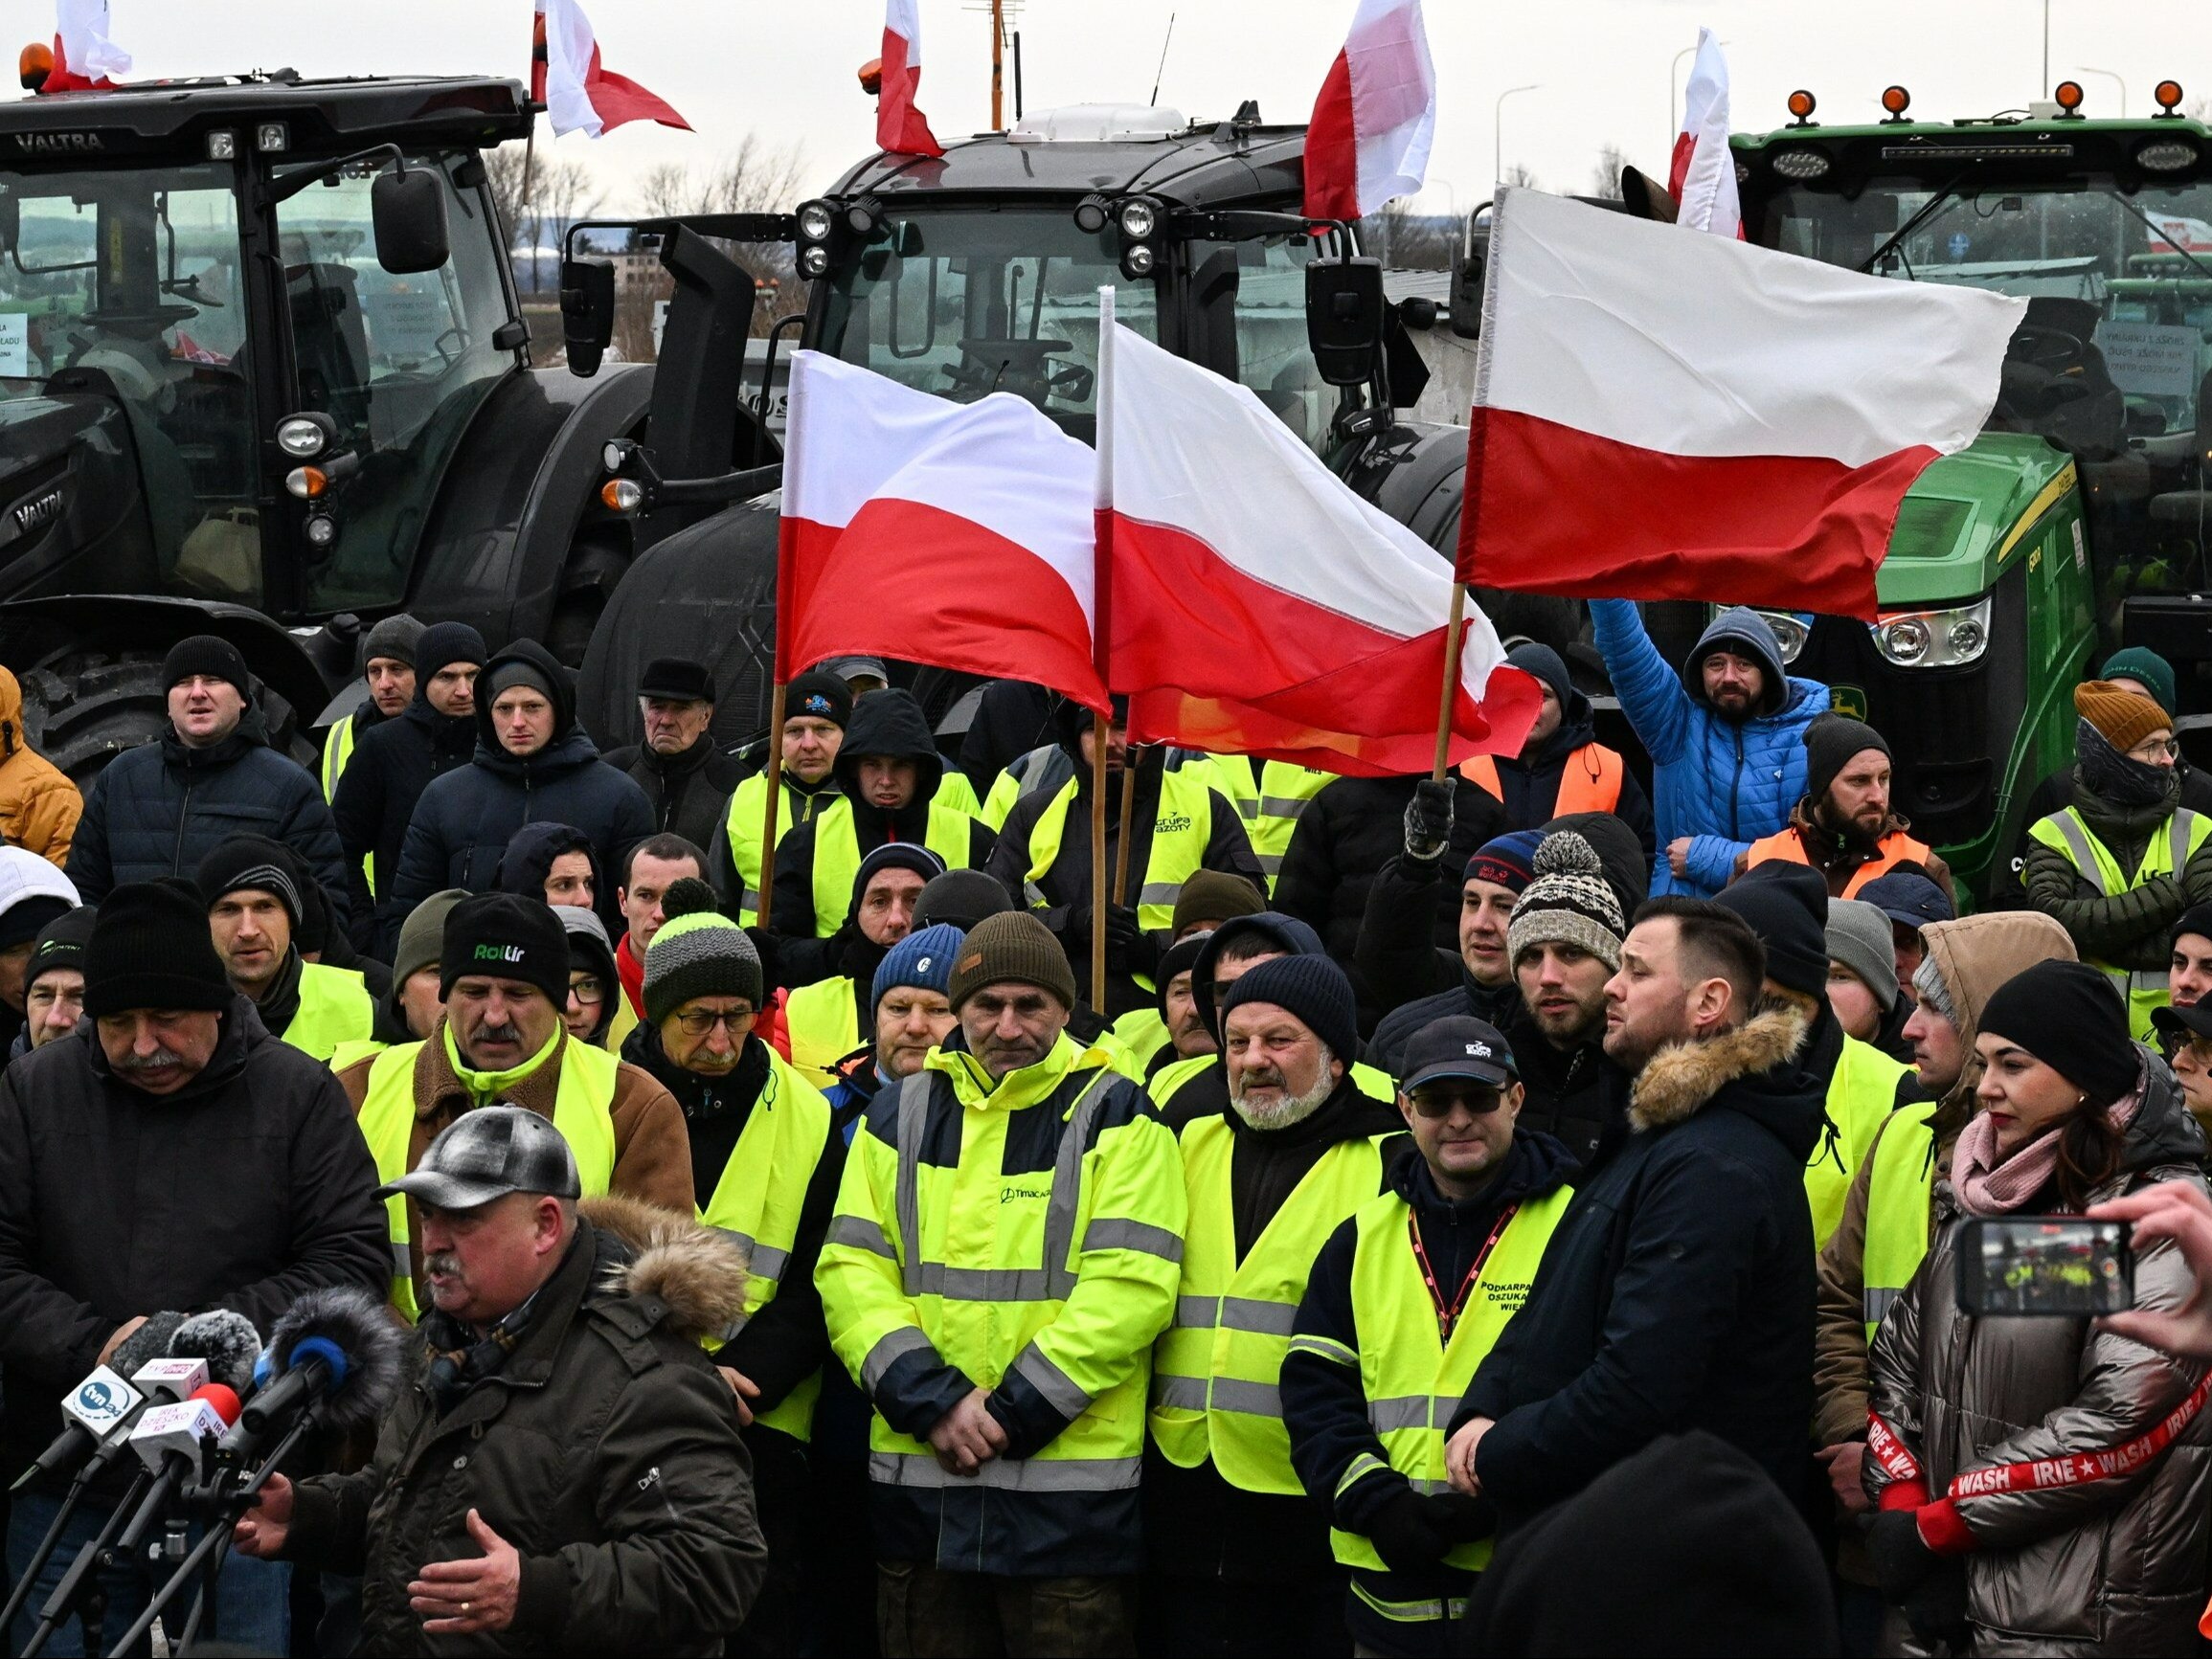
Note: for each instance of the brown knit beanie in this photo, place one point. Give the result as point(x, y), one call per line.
point(1014, 946)
point(1213, 897)
point(2122, 718)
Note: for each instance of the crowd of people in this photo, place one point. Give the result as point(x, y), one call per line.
point(1518, 1211)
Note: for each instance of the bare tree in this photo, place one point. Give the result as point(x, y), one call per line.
point(1604, 177)
point(1523, 176)
point(1406, 240)
point(755, 178)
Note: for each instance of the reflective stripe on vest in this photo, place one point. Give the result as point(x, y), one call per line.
point(583, 1112)
point(822, 1021)
point(1588, 782)
point(334, 1007)
point(1862, 1094)
point(1214, 1370)
point(1895, 848)
point(1898, 1190)
point(756, 1202)
point(1269, 796)
point(748, 807)
point(2167, 854)
point(837, 855)
point(1412, 1381)
point(1181, 827)
point(1046, 767)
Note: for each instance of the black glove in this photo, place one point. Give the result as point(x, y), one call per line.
point(1129, 948)
point(1411, 1533)
point(1428, 821)
point(1901, 1557)
point(1078, 925)
point(1465, 1517)
point(1936, 1606)
point(764, 942)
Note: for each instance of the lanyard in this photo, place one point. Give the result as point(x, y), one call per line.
point(1448, 1312)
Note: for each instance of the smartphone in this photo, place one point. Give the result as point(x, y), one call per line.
point(2044, 1265)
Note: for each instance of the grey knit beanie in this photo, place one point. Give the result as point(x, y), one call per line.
point(396, 637)
point(1859, 939)
point(1568, 903)
point(698, 953)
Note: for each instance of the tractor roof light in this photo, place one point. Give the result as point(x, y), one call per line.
point(222, 146)
point(2169, 95)
point(1896, 100)
point(1802, 105)
point(813, 261)
point(1802, 162)
point(34, 64)
point(305, 436)
point(815, 220)
point(2166, 155)
point(1139, 262)
point(307, 483)
point(614, 454)
point(1139, 217)
point(272, 137)
point(863, 217)
point(2067, 95)
point(1092, 215)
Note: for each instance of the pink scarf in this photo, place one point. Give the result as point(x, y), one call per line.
point(1988, 1186)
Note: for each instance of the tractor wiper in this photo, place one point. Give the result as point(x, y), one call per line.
point(1947, 194)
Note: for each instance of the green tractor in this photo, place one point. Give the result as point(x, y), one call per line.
point(2081, 519)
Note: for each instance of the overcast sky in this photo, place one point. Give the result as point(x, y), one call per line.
point(784, 67)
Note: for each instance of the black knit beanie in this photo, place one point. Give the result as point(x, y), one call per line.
point(396, 639)
point(444, 644)
point(2069, 1017)
point(151, 949)
point(252, 862)
point(819, 695)
point(961, 897)
point(25, 919)
point(1180, 957)
point(506, 936)
point(61, 943)
point(1313, 988)
point(1011, 946)
point(1787, 906)
point(2196, 919)
point(1830, 743)
point(206, 654)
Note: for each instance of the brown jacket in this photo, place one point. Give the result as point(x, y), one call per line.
point(652, 1147)
point(38, 805)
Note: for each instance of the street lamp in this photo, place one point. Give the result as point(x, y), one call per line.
point(2112, 76)
point(1498, 125)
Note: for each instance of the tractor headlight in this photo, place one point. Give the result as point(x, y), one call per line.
point(813, 261)
point(1789, 633)
point(815, 221)
point(1949, 638)
point(1139, 219)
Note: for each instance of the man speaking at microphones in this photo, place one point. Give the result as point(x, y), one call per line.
point(167, 1155)
point(565, 1474)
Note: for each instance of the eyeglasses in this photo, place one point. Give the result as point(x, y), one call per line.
point(1434, 1106)
point(2196, 1045)
point(588, 989)
point(698, 1021)
point(2151, 753)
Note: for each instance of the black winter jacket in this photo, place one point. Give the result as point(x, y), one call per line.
point(1011, 718)
point(690, 793)
point(466, 816)
point(1347, 833)
point(1678, 1291)
point(157, 809)
point(247, 1189)
point(605, 1449)
point(393, 762)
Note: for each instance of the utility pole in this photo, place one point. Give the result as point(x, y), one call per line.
point(997, 65)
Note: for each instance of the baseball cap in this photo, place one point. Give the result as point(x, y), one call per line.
point(2179, 1022)
point(1908, 899)
point(487, 1154)
point(1459, 1047)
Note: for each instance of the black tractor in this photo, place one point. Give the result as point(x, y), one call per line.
point(979, 272)
point(263, 372)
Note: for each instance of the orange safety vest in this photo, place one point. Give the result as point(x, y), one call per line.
point(1896, 848)
point(1589, 781)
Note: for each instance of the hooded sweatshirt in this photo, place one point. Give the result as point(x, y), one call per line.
point(1529, 781)
point(38, 805)
point(466, 816)
point(1723, 783)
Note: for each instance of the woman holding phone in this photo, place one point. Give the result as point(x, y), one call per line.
point(2041, 1483)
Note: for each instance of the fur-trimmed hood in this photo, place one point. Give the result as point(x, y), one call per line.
point(698, 1273)
point(1757, 1063)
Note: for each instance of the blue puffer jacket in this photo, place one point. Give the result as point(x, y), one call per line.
point(466, 816)
point(1722, 784)
point(158, 809)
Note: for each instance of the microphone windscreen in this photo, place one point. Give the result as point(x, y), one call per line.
point(225, 1341)
point(363, 1327)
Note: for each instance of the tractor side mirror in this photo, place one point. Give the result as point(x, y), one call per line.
point(407, 211)
point(1345, 309)
point(587, 312)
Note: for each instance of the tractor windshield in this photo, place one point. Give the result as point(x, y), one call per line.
point(2125, 280)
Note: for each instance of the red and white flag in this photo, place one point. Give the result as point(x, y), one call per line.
point(1375, 120)
point(1257, 606)
point(900, 127)
point(1702, 175)
point(953, 535)
point(83, 56)
point(1661, 417)
point(578, 94)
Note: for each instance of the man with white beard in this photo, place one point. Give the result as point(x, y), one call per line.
point(1238, 1556)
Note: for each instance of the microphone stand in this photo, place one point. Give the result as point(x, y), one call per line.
point(81, 1590)
point(47, 1545)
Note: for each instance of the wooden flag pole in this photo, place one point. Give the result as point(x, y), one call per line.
point(1098, 730)
point(1453, 633)
point(774, 776)
point(1128, 813)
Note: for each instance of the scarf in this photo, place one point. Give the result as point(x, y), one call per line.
point(1990, 1184)
point(484, 1086)
point(460, 1358)
point(2111, 775)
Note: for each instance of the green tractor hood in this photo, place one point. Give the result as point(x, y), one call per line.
point(1967, 516)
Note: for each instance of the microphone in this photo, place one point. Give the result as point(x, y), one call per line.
point(95, 1408)
point(335, 1352)
point(220, 1346)
point(175, 1430)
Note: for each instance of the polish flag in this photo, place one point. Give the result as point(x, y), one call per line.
point(577, 94)
point(1661, 417)
point(900, 127)
point(1702, 176)
point(1257, 606)
point(85, 57)
point(1375, 120)
point(953, 535)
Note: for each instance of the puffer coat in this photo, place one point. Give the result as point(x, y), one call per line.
point(2111, 1566)
point(38, 805)
point(1723, 783)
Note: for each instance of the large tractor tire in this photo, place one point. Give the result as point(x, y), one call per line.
point(81, 709)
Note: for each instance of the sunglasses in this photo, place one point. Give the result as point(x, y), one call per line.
point(1478, 1098)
